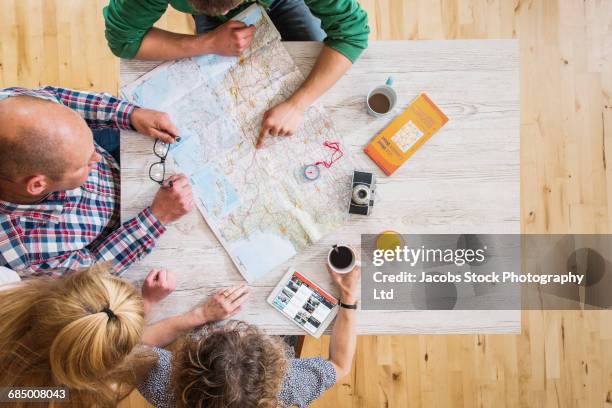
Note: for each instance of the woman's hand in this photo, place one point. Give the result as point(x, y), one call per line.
point(158, 284)
point(348, 283)
point(221, 305)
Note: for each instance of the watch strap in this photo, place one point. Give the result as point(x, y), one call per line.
point(352, 307)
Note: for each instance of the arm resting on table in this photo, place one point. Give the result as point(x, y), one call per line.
point(124, 246)
point(168, 330)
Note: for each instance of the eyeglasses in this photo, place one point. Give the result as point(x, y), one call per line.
point(157, 171)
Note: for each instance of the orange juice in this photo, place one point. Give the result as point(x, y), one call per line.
point(389, 240)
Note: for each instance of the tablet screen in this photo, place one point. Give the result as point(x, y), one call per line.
point(304, 302)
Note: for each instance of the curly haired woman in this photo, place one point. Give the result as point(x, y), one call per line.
point(237, 365)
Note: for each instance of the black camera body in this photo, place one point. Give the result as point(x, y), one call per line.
point(362, 194)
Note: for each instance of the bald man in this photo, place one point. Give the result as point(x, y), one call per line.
point(59, 190)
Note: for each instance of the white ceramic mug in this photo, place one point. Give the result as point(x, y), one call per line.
point(354, 262)
point(388, 92)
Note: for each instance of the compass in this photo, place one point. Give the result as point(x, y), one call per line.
point(311, 172)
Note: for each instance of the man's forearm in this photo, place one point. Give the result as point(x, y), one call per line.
point(159, 44)
point(343, 339)
point(328, 69)
point(130, 242)
point(100, 110)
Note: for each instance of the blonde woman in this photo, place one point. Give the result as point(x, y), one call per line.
point(78, 332)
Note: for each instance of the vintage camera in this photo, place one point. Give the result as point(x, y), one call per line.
point(362, 196)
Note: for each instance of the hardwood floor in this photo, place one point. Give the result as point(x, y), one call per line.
point(561, 359)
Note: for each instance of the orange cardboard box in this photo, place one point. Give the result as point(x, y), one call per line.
point(406, 134)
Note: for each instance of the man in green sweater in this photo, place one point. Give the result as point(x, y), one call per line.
point(341, 24)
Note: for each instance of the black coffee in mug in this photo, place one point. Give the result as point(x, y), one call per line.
point(379, 103)
point(341, 257)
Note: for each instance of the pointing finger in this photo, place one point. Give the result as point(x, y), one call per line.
point(262, 134)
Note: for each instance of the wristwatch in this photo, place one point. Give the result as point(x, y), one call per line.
point(352, 307)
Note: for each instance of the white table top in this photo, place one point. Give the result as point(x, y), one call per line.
point(464, 180)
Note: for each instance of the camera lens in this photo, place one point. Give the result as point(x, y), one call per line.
point(361, 194)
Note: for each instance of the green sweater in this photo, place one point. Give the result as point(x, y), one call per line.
point(127, 22)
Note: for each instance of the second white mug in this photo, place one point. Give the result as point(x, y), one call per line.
point(342, 258)
point(381, 100)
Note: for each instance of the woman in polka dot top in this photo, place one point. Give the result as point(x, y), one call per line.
point(237, 365)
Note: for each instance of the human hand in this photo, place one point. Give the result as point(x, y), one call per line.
point(231, 38)
point(348, 283)
point(173, 200)
point(281, 120)
point(221, 305)
point(158, 284)
point(155, 124)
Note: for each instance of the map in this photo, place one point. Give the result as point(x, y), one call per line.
point(257, 201)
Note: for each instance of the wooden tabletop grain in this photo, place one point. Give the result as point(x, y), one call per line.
point(464, 180)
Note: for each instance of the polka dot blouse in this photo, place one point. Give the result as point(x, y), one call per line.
point(305, 381)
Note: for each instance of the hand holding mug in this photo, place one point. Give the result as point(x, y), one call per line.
point(348, 283)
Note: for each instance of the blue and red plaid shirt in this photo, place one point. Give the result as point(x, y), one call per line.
point(74, 229)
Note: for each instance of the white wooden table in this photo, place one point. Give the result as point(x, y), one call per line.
point(464, 180)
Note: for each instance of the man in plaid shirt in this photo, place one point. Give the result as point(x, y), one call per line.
point(59, 190)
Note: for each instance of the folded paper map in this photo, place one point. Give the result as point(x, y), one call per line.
point(406, 134)
point(257, 202)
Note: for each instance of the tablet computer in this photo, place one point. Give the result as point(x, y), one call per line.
point(304, 302)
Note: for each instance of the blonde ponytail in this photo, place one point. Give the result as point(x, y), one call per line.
point(73, 332)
